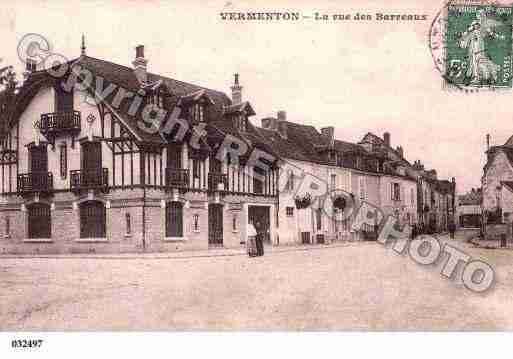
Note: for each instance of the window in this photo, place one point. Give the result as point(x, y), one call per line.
point(289, 211)
point(174, 219)
point(174, 156)
point(128, 223)
point(318, 219)
point(63, 99)
point(241, 123)
point(7, 226)
point(333, 182)
point(361, 188)
point(395, 192)
point(234, 223)
point(195, 222)
point(64, 160)
point(197, 112)
point(195, 168)
point(412, 197)
point(258, 185)
point(92, 219)
point(290, 181)
point(157, 99)
point(39, 221)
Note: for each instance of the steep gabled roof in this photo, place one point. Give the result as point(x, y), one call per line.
point(175, 90)
point(507, 150)
point(297, 145)
point(508, 185)
point(244, 106)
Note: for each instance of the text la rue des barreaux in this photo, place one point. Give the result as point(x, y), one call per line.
point(320, 16)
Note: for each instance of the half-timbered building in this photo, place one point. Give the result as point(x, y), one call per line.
point(83, 170)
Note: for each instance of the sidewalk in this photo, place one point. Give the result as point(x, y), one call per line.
point(490, 244)
point(207, 253)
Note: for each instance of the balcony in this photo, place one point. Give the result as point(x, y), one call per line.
point(89, 179)
point(35, 182)
point(177, 177)
point(56, 123)
point(217, 179)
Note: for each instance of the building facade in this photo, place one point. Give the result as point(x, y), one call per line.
point(85, 169)
point(370, 171)
point(468, 209)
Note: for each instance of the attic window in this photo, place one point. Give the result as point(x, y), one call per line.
point(157, 99)
point(197, 112)
point(241, 122)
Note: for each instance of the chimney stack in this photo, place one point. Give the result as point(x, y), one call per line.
point(30, 67)
point(401, 151)
point(386, 138)
point(329, 133)
point(140, 65)
point(487, 142)
point(282, 123)
point(269, 123)
point(236, 90)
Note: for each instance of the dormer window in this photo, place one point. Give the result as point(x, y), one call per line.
point(156, 98)
point(197, 113)
point(241, 122)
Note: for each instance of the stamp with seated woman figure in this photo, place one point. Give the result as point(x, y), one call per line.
point(471, 44)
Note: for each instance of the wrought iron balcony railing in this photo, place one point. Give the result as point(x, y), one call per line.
point(177, 177)
point(215, 179)
point(89, 179)
point(35, 182)
point(55, 122)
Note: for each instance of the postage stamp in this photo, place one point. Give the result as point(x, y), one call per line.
point(474, 47)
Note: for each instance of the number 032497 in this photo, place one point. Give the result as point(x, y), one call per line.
point(26, 343)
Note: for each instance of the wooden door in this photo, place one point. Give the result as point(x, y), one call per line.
point(63, 99)
point(91, 163)
point(174, 219)
point(259, 216)
point(39, 221)
point(174, 156)
point(38, 159)
point(215, 165)
point(215, 224)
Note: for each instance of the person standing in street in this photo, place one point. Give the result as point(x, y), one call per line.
point(452, 229)
point(251, 242)
point(259, 240)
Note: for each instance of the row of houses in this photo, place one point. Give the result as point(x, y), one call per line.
point(82, 169)
point(497, 189)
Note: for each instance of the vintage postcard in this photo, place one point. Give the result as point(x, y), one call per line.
point(255, 166)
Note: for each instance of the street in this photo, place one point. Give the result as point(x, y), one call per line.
point(353, 286)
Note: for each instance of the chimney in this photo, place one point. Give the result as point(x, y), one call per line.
point(282, 124)
point(386, 138)
point(236, 90)
point(487, 142)
point(401, 151)
point(140, 65)
point(329, 132)
point(270, 123)
point(30, 67)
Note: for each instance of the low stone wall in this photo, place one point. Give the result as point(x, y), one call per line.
point(469, 233)
point(494, 231)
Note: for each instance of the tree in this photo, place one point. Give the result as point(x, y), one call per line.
point(8, 78)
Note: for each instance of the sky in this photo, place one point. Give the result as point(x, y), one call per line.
point(367, 76)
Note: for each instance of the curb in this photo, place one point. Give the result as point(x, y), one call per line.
point(273, 250)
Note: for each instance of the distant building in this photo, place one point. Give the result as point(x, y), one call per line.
point(497, 180)
point(468, 209)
